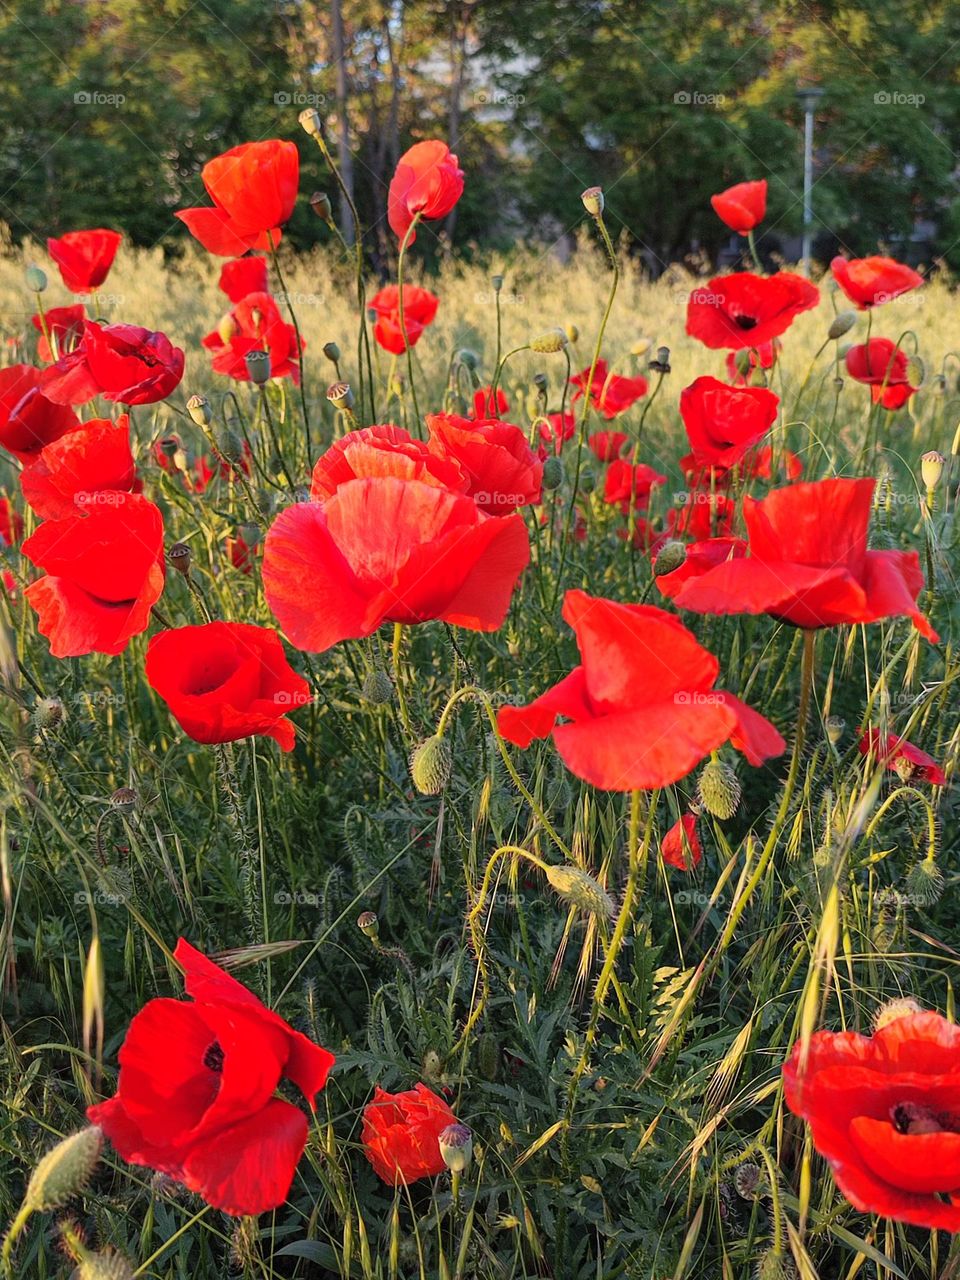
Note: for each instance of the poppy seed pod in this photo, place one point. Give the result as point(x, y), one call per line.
point(310, 122)
point(123, 800)
point(180, 557)
point(931, 469)
point(258, 366)
point(843, 322)
point(719, 789)
point(331, 351)
point(340, 395)
point(456, 1147)
point(549, 343)
point(746, 1180)
point(431, 765)
point(198, 408)
point(496, 283)
point(64, 1170)
point(580, 889)
point(662, 363)
point(321, 206)
point(834, 726)
point(369, 925)
point(593, 201)
point(36, 279)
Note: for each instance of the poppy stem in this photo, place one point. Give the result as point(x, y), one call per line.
point(407, 236)
point(398, 680)
point(499, 370)
point(275, 257)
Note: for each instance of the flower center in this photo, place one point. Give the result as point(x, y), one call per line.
point(746, 322)
point(913, 1118)
point(213, 1058)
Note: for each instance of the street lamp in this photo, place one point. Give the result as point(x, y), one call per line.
point(808, 99)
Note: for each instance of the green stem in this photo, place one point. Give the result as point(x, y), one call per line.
point(407, 237)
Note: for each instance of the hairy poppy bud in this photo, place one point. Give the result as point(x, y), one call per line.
point(719, 789)
point(901, 1007)
point(104, 1266)
point(593, 201)
point(670, 557)
point(230, 445)
point(198, 408)
point(180, 557)
point(549, 343)
point(552, 473)
point(310, 121)
point(377, 687)
point(581, 890)
point(369, 925)
point(931, 469)
point(431, 765)
point(834, 726)
point(258, 366)
point(925, 883)
point(48, 713)
point(572, 332)
point(123, 800)
point(469, 359)
point(36, 279)
point(431, 1068)
point(488, 1055)
point(331, 351)
point(456, 1147)
point(775, 1265)
point(321, 206)
point(842, 323)
point(588, 480)
point(340, 395)
point(64, 1170)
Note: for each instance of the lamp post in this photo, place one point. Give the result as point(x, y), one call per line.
point(808, 99)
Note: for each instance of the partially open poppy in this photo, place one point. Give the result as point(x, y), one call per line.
point(84, 258)
point(197, 1094)
point(28, 419)
point(401, 1134)
point(429, 181)
point(485, 405)
point(641, 707)
point(745, 310)
point(69, 473)
point(419, 311)
point(501, 470)
point(742, 206)
point(901, 757)
point(253, 188)
point(722, 422)
point(610, 393)
point(681, 847)
point(883, 1110)
point(63, 326)
point(884, 368)
point(700, 557)
point(254, 324)
point(869, 282)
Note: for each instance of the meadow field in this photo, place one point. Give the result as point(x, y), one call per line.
point(600, 1001)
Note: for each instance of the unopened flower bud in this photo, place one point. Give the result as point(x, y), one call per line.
point(227, 328)
point(578, 888)
point(838, 383)
point(552, 473)
point(456, 1147)
point(593, 201)
point(369, 925)
point(588, 480)
point(340, 395)
point(230, 445)
point(842, 324)
point(310, 121)
point(572, 332)
point(469, 359)
point(931, 469)
point(64, 1170)
point(198, 408)
point(900, 1007)
point(331, 351)
point(641, 346)
point(719, 789)
point(924, 883)
point(549, 343)
point(180, 557)
point(48, 713)
point(377, 687)
point(431, 765)
point(36, 279)
point(107, 1265)
point(321, 206)
point(670, 557)
point(916, 371)
point(258, 366)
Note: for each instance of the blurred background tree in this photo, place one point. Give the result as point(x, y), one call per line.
point(108, 109)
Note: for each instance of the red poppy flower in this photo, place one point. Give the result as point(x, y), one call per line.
point(389, 550)
point(723, 422)
point(84, 258)
point(241, 276)
point(253, 188)
point(124, 363)
point(196, 1096)
point(610, 393)
point(429, 181)
point(419, 311)
point(606, 445)
point(501, 469)
point(382, 451)
point(761, 464)
point(401, 1134)
point(11, 523)
point(484, 403)
point(884, 368)
point(700, 558)
point(882, 1110)
point(741, 364)
point(902, 757)
point(226, 680)
point(742, 206)
point(869, 282)
point(745, 310)
point(242, 551)
point(104, 573)
point(555, 432)
point(809, 563)
point(73, 471)
point(63, 325)
point(642, 705)
point(254, 324)
point(623, 480)
point(28, 419)
point(681, 847)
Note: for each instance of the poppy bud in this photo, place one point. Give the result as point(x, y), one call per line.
point(901, 1007)
point(488, 1056)
point(180, 557)
point(775, 1265)
point(925, 883)
point(230, 445)
point(834, 725)
point(670, 557)
point(842, 324)
point(198, 408)
point(123, 800)
point(743, 361)
point(321, 206)
point(310, 121)
point(641, 346)
point(227, 328)
point(340, 395)
point(552, 473)
point(593, 201)
point(572, 332)
point(48, 713)
point(955, 447)
point(431, 765)
point(377, 687)
point(719, 789)
point(497, 283)
point(64, 1170)
point(469, 359)
point(104, 1266)
point(916, 371)
point(581, 890)
point(549, 343)
point(746, 1180)
point(369, 925)
point(258, 366)
point(931, 469)
point(456, 1147)
point(588, 480)
point(36, 279)
point(331, 351)
point(453, 402)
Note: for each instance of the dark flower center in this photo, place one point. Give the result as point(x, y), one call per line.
point(913, 1118)
point(213, 1058)
point(746, 322)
